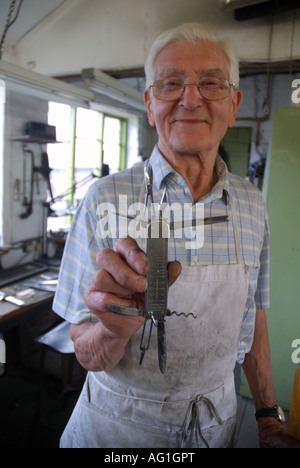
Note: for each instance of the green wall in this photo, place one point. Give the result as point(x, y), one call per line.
point(236, 146)
point(282, 193)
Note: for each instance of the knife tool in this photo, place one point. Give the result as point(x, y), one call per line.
point(157, 292)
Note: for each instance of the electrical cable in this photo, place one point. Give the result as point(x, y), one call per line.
point(9, 22)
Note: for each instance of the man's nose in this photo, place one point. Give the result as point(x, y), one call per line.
point(191, 96)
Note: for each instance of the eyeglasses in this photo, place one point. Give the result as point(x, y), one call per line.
point(210, 88)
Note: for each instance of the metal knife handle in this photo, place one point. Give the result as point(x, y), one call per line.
point(157, 252)
point(129, 311)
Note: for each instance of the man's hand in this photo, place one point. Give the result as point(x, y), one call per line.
point(273, 434)
point(121, 280)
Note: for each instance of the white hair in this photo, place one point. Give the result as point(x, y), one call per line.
point(190, 32)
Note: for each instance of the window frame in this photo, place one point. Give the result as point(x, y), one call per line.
point(123, 144)
point(71, 163)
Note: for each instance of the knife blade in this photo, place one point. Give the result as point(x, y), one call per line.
point(161, 347)
point(180, 224)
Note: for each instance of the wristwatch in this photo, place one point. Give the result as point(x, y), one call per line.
point(275, 412)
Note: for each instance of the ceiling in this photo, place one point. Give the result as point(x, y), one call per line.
point(31, 13)
point(36, 16)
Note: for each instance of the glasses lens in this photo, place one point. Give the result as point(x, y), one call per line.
point(168, 90)
point(214, 89)
point(210, 88)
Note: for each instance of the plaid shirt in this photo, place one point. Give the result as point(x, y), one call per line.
point(86, 237)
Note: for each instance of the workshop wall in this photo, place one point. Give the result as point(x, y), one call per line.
point(25, 234)
point(282, 198)
point(283, 210)
point(259, 101)
point(19, 109)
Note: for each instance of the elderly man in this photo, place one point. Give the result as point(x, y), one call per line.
point(218, 289)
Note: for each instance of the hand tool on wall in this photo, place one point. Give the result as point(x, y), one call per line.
point(27, 203)
point(45, 170)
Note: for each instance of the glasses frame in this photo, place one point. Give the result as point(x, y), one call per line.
point(196, 83)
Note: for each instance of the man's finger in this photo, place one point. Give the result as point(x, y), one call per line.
point(133, 255)
point(104, 282)
point(120, 271)
point(174, 270)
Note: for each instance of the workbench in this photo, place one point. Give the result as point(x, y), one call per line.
point(33, 294)
point(36, 298)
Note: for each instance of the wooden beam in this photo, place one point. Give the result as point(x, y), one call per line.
point(294, 423)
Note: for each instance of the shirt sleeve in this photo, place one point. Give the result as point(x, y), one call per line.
point(259, 283)
point(94, 228)
point(262, 295)
point(78, 263)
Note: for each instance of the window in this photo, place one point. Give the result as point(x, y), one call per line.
point(91, 144)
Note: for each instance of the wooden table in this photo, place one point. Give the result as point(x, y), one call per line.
point(12, 315)
point(17, 321)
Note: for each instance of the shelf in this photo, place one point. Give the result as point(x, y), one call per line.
point(32, 139)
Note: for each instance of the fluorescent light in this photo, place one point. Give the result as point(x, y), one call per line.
point(233, 4)
point(20, 79)
point(101, 83)
point(28, 82)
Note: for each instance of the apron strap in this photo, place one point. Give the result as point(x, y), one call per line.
point(142, 242)
point(192, 421)
point(238, 247)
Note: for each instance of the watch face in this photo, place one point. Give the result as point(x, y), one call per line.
point(280, 413)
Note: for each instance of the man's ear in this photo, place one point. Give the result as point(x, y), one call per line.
point(148, 103)
point(236, 101)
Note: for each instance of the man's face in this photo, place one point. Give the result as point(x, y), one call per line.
point(191, 125)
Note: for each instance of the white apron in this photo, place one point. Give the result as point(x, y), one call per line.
point(194, 403)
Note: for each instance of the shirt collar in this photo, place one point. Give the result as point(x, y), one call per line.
point(162, 171)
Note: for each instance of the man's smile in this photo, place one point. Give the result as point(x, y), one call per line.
point(190, 121)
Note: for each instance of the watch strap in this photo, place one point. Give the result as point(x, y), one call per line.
point(275, 412)
point(266, 413)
